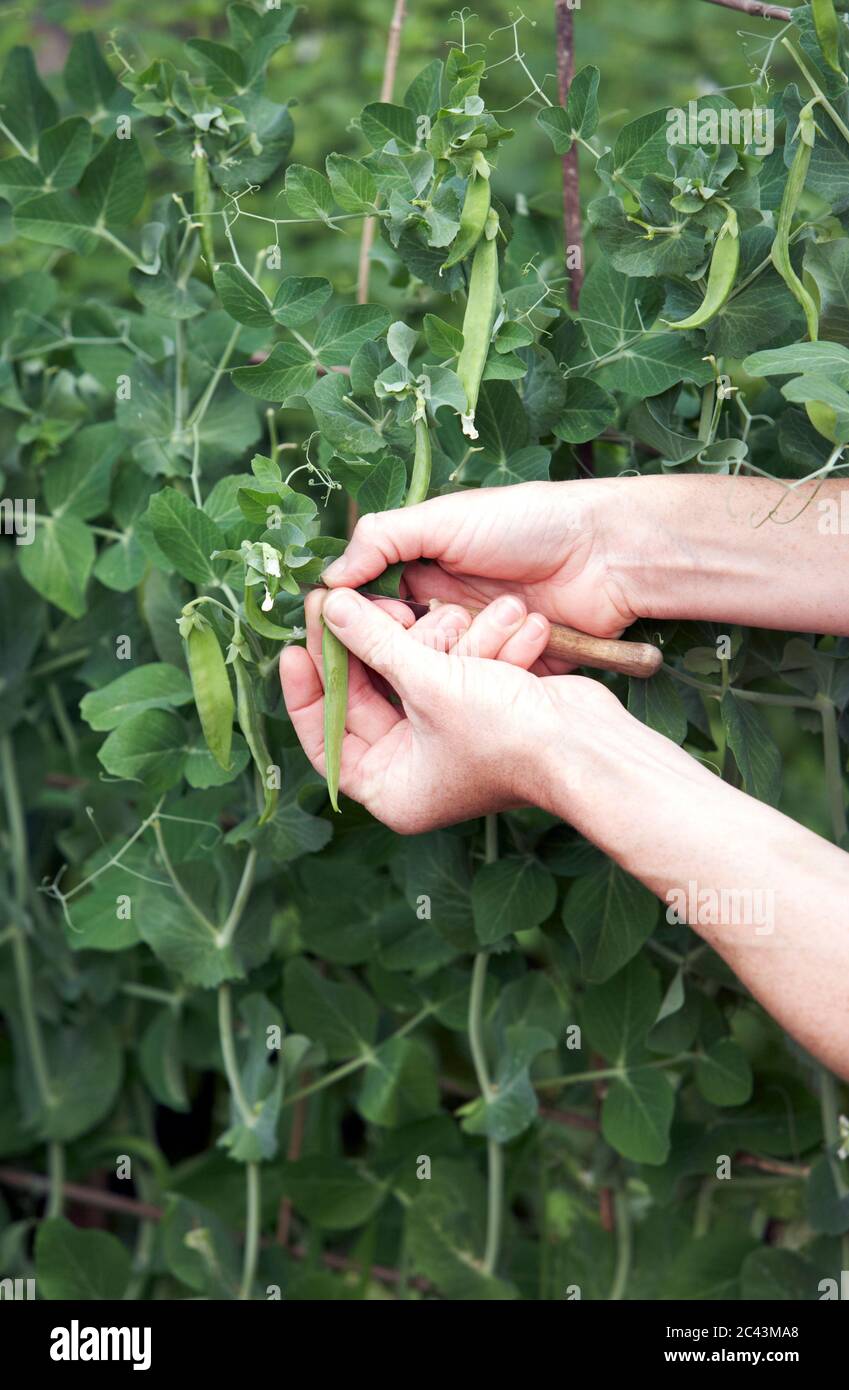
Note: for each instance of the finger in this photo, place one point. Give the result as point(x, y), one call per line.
point(379, 642)
point(370, 715)
point(385, 538)
point(425, 582)
point(526, 646)
point(304, 697)
point(397, 610)
point(442, 628)
point(492, 627)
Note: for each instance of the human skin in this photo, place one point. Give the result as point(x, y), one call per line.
point(482, 727)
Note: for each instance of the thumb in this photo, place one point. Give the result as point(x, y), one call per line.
point(379, 641)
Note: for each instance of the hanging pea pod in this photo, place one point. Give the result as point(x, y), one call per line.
point(721, 276)
point(258, 621)
point(203, 208)
point(420, 480)
point(827, 28)
point(780, 253)
point(211, 688)
point(251, 725)
point(472, 219)
point(335, 662)
point(481, 304)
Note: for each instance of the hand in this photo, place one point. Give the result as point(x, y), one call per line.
point(549, 543)
point(474, 734)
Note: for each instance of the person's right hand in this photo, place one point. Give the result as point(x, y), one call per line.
point(546, 542)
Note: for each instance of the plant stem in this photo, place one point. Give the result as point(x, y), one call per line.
point(623, 1247)
point(755, 697)
point(228, 1052)
point(243, 892)
point(572, 234)
point(390, 68)
point(252, 1222)
point(605, 1073)
point(816, 88)
point(495, 1156)
point(356, 1063)
point(202, 406)
point(56, 1170)
point(833, 768)
point(760, 11)
point(185, 898)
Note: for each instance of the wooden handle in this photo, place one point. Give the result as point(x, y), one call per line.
point(638, 659)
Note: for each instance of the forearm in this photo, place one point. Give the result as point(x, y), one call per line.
point(769, 895)
point(731, 550)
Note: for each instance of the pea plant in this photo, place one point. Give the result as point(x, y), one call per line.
point(268, 1050)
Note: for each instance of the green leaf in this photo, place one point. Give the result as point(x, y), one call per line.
point(148, 747)
point(441, 337)
point(609, 915)
point(619, 1014)
point(827, 1205)
point(563, 125)
point(242, 298)
point(341, 427)
point(85, 1066)
point(113, 186)
point(58, 220)
point(334, 1194)
point(709, 1268)
point(588, 410)
point(63, 151)
point(755, 751)
point(186, 535)
point(513, 1105)
point(154, 686)
point(381, 123)
point(399, 1084)
point(73, 1264)
point(445, 1234)
point(255, 1140)
point(384, 486)
point(77, 484)
point(346, 329)
point(59, 562)
point(221, 66)
point(511, 895)
point(299, 298)
point(354, 187)
point(771, 1275)
point(28, 108)
point(89, 80)
point(161, 1062)
point(341, 1017)
point(658, 703)
point(637, 1114)
point(288, 371)
point(308, 193)
point(723, 1074)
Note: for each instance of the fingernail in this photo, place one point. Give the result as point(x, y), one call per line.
point(508, 610)
point(537, 624)
point(340, 608)
point(336, 570)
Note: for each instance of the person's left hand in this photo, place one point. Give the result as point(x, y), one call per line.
point(475, 729)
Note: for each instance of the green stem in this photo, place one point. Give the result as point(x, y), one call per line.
point(153, 995)
point(623, 1247)
point(605, 1073)
point(243, 892)
point(228, 1052)
point(56, 1170)
point(252, 1223)
point(495, 1155)
point(203, 404)
point(815, 88)
point(356, 1063)
point(755, 697)
point(63, 723)
point(185, 898)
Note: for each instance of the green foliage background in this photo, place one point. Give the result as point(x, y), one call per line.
point(147, 1036)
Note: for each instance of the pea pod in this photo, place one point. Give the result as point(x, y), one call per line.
point(258, 621)
point(334, 656)
point(211, 689)
point(827, 28)
point(472, 219)
point(481, 305)
point(780, 253)
point(203, 205)
point(420, 480)
point(250, 723)
point(721, 276)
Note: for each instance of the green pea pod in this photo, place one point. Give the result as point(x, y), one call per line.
point(420, 480)
point(780, 253)
point(211, 689)
point(827, 27)
point(721, 276)
point(472, 219)
point(335, 661)
point(250, 723)
point(203, 206)
point(479, 317)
